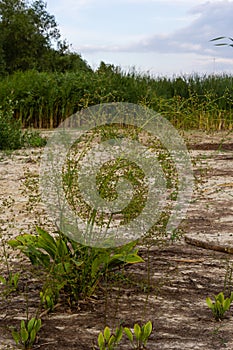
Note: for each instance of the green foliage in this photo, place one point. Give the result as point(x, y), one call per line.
point(26, 336)
point(11, 134)
point(220, 305)
point(11, 282)
point(138, 337)
point(108, 340)
point(32, 138)
point(43, 99)
point(10, 130)
point(73, 268)
point(27, 37)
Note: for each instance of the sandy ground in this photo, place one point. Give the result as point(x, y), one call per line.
point(181, 275)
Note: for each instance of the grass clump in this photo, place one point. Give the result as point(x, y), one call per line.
point(10, 130)
point(11, 134)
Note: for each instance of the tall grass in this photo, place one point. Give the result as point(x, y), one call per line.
point(43, 100)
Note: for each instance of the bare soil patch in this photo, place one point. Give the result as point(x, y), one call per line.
point(170, 288)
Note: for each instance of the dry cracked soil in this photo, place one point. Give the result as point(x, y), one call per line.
point(169, 289)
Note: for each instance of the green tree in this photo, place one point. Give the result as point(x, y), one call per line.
point(30, 38)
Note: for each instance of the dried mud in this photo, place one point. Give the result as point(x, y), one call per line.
point(170, 288)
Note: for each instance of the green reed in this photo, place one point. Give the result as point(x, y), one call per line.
point(43, 100)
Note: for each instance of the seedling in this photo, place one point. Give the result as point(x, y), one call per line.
point(27, 334)
point(141, 335)
point(220, 305)
point(11, 282)
point(108, 340)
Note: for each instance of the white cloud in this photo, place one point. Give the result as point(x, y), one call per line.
point(207, 21)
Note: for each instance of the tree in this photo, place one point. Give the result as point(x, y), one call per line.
point(28, 35)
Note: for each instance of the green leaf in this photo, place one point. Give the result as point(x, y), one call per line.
point(137, 331)
point(62, 248)
point(111, 341)
point(31, 324)
point(133, 259)
point(101, 341)
point(24, 334)
point(118, 334)
point(209, 303)
point(46, 242)
point(220, 297)
point(2, 280)
point(32, 336)
point(147, 329)
point(226, 304)
point(129, 334)
point(107, 333)
point(16, 336)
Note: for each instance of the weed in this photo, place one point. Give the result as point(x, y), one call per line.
point(189, 102)
point(220, 305)
point(108, 340)
point(10, 129)
point(140, 335)
point(12, 279)
point(26, 335)
point(71, 267)
point(138, 338)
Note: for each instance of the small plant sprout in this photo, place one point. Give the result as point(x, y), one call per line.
point(220, 305)
point(108, 340)
point(27, 334)
point(141, 335)
point(11, 282)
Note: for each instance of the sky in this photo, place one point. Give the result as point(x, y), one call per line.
point(160, 37)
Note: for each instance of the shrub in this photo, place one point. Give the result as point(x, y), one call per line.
point(10, 130)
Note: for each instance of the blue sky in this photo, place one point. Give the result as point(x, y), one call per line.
point(161, 36)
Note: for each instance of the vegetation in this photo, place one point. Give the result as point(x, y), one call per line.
point(27, 334)
point(138, 338)
point(42, 83)
point(220, 305)
point(70, 267)
point(28, 34)
point(11, 134)
point(44, 99)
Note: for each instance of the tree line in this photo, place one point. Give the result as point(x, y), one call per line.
point(30, 39)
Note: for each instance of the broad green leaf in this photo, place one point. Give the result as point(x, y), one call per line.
point(16, 336)
point(147, 329)
point(111, 341)
point(32, 336)
point(62, 248)
point(46, 242)
point(38, 325)
point(220, 297)
point(133, 259)
point(137, 331)
point(129, 334)
point(226, 304)
point(31, 324)
point(101, 341)
point(107, 333)
point(119, 334)
point(209, 303)
point(24, 334)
